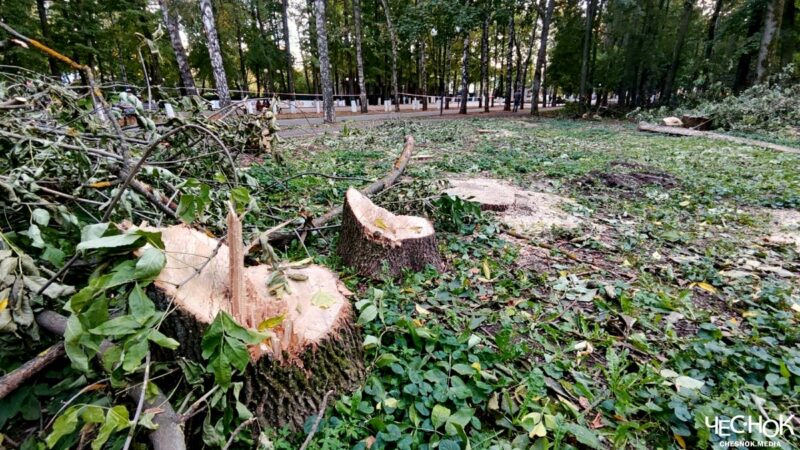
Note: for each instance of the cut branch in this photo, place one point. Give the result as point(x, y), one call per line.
point(675, 131)
point(16, 378)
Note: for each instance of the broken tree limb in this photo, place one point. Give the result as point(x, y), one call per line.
point(675, 131)
point(374, 240)
point(398, 168)
point(313, 345)
point(14, 379)
point(169, 434)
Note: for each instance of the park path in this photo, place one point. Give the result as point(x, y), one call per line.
point(312, 124)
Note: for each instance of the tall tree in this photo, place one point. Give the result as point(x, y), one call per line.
point(393, 38)
point(485, 63)
point(587, 44)
point(541, 55)
point(527, 62)
point(184, 71)
point(362, 84)
point(329, 112)
point(464, 74)
point(42, 10)
point(680, 38)
point(772, 27)
point(510, 58)
point(423, 75)
point(287, 49)
point(214, 52)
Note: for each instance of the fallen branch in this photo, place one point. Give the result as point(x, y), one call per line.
point(675, 131)
point(237, 431)
point(398, 168)
point(169, 434)
point(14, 379)
point(314, 427)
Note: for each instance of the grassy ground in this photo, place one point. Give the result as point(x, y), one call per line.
point(665, 308)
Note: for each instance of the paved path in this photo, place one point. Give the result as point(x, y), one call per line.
point(311, 125)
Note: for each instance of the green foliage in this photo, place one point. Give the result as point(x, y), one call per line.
point(456, 215)
point(225, 347)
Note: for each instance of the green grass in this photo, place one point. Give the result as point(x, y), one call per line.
point(501, 352)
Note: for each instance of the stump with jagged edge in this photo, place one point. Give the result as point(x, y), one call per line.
point(374, 241)
point(318, 347)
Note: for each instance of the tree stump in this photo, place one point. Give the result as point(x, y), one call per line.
point(671, 122)
point(373, 238)
point(696, 122)
point(317, 347)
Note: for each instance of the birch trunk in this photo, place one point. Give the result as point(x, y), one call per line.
point(324, 62)
point(540, 57)
point(772, 25)
point(393, 38)
point(214, 53)
point(464, 70)
point(485, 64)
point(509, 62)
point(362, 87)
point(289, 63)
point(171, 23)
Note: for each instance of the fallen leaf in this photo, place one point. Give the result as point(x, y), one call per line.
point(322, 299)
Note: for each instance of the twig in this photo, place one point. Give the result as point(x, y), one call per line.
point(314, 427)
point(237, 431)
point(139, 407)
point(195, 407)
point(14, 379)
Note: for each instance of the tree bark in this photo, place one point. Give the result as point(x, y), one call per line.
point(171, 24)
point(288, 49)
point(324, 62)
point(587, 45)
point(423, 75)
point(42, 10)
point(527, 63)
point(509, 60)
point(362, 83)
point(214, 53)
point(688, 8)
point(540, 57)
point(743, 73)
point(485, 63)
point(464, 72)
point(393, 38)
point(772, 26)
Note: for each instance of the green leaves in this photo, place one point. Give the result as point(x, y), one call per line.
point(439, 415)
point(224, 345)
point(192, 205)
point(150, 264)
point(115, 419)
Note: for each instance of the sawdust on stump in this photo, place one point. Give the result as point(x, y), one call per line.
point(317, 346)
point(373, 239)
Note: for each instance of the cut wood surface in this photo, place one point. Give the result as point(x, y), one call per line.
point(398, 168)
point(316, 345)
point(643, 126)
point(373, 237)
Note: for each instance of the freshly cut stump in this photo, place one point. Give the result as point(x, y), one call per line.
point(317, 348)
point(491, 194)
point(373, 237)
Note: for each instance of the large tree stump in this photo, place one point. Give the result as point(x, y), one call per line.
point(317, 348)
point(373, 238)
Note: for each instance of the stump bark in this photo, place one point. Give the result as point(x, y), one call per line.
point(374, 241)
point(317, 346)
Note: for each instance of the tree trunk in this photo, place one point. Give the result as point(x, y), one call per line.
point(393, 38)
point(324, 62)
point(314, 349)
point(688, 8)
point(214, 53)
point(243, 85)
point(509, 60)
point(464, 75)
point(288, 50)
point(789, 33)
point(743, 74)
point(587, 44)
point(374, 240)
point(423, 75)
point(540, 57)
point(712, 29)
point(485, 64)
point(362, 86)
point(772, 26)
point(171, 24)
point(528, 62)
point(42, 10)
